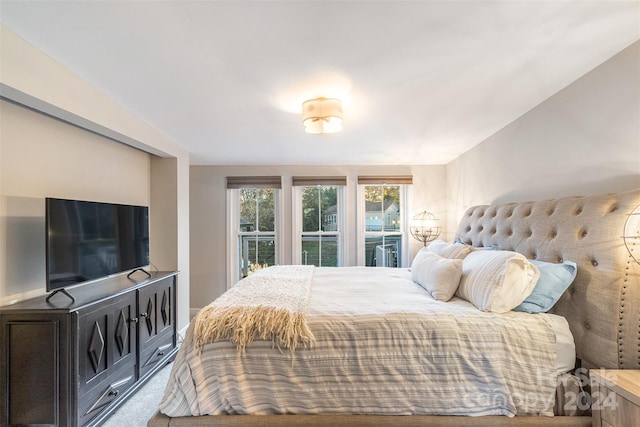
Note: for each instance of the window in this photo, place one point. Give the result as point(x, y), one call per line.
point(382, 221)
point(318, 217)
point(323, 223)
point(253, 219)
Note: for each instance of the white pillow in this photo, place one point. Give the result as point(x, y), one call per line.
point(439, 276)
point(496, 281)
point(450, 250)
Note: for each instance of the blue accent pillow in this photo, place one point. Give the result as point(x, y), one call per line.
point(554, 280)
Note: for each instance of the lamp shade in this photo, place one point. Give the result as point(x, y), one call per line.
point(322, 115)
point(425, 227)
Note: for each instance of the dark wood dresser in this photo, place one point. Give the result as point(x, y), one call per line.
point(67, 363)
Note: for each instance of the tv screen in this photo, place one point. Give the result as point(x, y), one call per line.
point(91, 240)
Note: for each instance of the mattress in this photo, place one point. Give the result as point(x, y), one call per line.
point(382, 346)
point(565, 345)
point(344, 293)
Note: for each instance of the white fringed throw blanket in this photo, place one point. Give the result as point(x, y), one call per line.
point(270, 304)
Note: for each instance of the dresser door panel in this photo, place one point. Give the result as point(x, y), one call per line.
point(107, 340)
point(156, 331)
point(33, 373)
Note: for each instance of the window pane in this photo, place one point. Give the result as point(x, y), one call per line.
point(310, 209)
point(391, 208)
point(267, 209)
point(382, 208)
point(247, 209)
point(256, 252)
point(257, 209)
point(373, 208)
point(321, 251)
point(319, 208)
point(383, 251)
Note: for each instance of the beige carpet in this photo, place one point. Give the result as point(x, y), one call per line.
point(143, 404)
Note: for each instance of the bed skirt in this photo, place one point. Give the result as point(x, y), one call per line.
point(566, 414)
point(161, 420)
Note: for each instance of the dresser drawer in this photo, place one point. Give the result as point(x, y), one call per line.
point(622, 413)
point(615, 397)
point(155, 351)
point(100, 397)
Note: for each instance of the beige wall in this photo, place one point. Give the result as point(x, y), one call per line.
point(43, 157)
point(584, 140)
point(208, 213)
point(32, 79)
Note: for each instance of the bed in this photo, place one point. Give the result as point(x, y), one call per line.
point(388, 380)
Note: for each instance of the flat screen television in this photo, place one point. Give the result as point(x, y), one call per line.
point(86, 240)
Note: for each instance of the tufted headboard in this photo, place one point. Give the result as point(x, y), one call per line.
point(602, 305)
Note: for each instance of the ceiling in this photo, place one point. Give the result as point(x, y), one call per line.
point(422, 81)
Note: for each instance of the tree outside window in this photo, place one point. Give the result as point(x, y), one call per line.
point(320, 235)
point(257, 233)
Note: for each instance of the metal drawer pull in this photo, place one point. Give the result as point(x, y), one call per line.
point(159, 352)
point(112, 390)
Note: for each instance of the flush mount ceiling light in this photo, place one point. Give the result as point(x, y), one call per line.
point(322, 115)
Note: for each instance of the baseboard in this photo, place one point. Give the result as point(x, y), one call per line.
point(181, 334)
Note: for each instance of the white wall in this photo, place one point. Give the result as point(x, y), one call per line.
point(31, 78)
point(208, 213)
point(584, 140)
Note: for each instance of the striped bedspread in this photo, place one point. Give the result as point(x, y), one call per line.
point(382, 346)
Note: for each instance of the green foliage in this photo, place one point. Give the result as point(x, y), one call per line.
point(378, 193)
point(320, 251)
point(258, 208)
point(315, 202)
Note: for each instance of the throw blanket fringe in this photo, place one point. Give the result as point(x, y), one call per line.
point(270, 304)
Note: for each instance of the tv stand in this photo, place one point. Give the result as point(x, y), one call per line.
point(62, 291)
point(138, 269)
point(72, 364)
